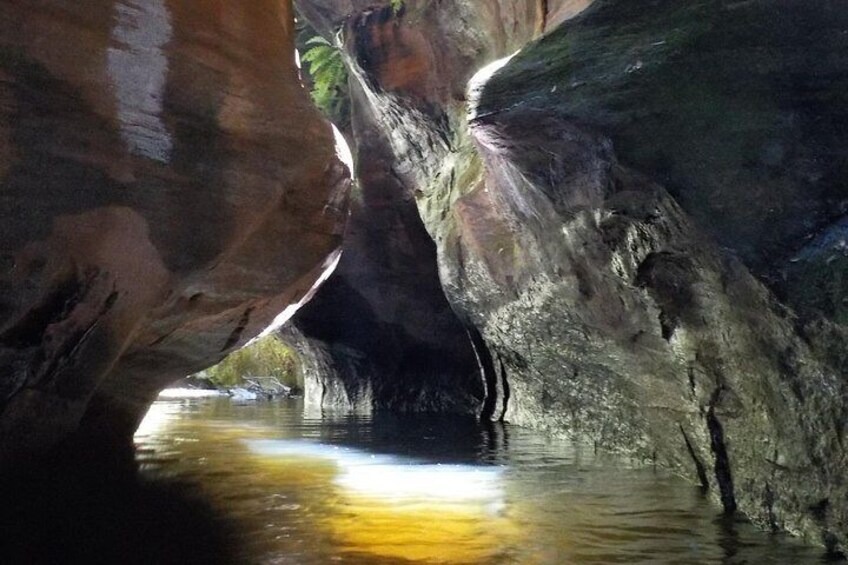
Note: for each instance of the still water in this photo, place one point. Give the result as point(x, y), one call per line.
point(294, 489)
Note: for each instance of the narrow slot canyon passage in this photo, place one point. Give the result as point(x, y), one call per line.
point(410, 282)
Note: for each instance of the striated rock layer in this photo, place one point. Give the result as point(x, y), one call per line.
point(166, 190)
point(643, 215)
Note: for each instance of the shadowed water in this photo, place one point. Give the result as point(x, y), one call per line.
point(300, 490)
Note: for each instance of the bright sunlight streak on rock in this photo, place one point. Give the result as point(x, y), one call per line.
point(329, 266)
point(345, 155)
point(343, 151)
point(395, 479)
point(478, 83)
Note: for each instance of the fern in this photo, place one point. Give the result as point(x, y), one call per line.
point(329, 78)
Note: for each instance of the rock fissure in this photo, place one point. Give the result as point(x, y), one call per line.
point(505, 388)
point(488, 374)
point(722, 464)
point(235, 335)
point(700, 468)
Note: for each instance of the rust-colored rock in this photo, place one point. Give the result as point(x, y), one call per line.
point(166, 190)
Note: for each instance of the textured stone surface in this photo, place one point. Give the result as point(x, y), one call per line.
point(166, 189)
point(633, 217)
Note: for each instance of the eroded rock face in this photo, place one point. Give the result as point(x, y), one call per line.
point(631, 211)
point(166, 189)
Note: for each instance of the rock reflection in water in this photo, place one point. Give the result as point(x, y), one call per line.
point(400, 507)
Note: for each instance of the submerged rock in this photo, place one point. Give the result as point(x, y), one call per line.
point(166, 190)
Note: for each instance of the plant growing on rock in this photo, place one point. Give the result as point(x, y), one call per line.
point(329, 79)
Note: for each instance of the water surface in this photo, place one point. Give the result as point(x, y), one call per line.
point(302, 490)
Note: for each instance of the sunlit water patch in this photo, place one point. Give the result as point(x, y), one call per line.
point(384, 490)
point(394, 479)
point(403, 508)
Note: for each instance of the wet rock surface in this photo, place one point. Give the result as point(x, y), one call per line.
point(637, 213)
point(166, 189)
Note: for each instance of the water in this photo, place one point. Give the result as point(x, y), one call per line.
point(290, 489)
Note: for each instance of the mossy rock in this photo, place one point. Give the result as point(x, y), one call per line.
point(264, 357)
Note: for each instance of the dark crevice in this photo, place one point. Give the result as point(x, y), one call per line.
point(666, 328)
point(819, 511)
point(668, 278)
point(161, 339)
point(700, 468)
point(506, 390)
point(235, 336)
point(74, 345)
point(60, 350)
point(323, 380)
point(544, 8)
point(769, 504)
point(29, 332)
point(723, 474)
point(691, 374)
point(487, 371)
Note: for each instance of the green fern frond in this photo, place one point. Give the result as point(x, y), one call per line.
point(329, 77)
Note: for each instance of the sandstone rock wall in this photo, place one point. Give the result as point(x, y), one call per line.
point(166, 189)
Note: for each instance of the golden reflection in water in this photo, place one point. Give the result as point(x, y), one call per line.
point(344, 501)
point(398, 509)
point(423, 533)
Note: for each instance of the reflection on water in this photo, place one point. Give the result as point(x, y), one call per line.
point(387, 501)
point(394, 480)
point(381, 490)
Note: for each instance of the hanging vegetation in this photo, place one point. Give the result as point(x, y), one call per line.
point(323, 61)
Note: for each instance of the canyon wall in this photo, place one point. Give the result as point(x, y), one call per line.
point(166, 190)
point(641, 213)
